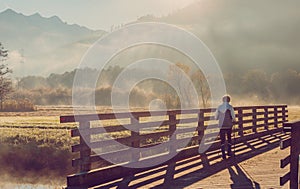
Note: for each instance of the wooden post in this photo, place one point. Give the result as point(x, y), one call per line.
point(240, 121)
point(254, 120)
point(134, 136)
point(85, 153)
point(266, 118)
point(200, 126)
point(295, 150)
point(276, 117)
point(172, 129)
point(172, 149)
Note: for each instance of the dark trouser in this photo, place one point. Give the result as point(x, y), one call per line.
point(223, 134)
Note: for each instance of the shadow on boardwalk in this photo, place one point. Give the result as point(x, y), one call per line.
point(187, 172)
point(240, 179)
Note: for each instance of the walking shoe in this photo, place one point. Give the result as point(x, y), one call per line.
point(223, 156)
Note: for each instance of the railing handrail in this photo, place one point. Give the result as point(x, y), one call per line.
point(112, 115)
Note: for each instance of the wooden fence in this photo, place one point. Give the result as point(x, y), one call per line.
point(135, 129)
point(293, 159)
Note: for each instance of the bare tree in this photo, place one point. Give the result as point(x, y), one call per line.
point(202, 87)
point(5, 81)
point(186, 88)
point(175, 74)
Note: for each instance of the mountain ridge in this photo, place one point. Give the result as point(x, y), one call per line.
point(11, 13)
point(37, 41)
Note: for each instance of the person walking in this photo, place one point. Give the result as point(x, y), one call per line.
point(226, 116)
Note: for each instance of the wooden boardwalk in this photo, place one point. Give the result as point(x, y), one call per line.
point(258, 131)
point(255, 165)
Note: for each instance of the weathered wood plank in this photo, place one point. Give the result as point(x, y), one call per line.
point(92, 117)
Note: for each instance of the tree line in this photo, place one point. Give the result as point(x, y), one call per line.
point(254, 85)
point(56, 89)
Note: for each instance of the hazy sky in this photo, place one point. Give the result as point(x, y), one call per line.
point(95, 14)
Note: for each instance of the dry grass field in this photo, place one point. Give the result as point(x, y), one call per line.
point(294, 113)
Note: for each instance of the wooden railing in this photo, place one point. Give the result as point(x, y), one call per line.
point(293, 159)
point(135, 129)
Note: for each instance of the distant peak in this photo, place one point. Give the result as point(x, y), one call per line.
point(55, 18)
point(9, 11)
point(36, 15)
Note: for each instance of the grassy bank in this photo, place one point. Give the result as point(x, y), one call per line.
point(35, 155)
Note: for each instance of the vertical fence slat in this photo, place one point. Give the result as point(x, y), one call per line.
point(172, 129)
point(254, 120)
point(240, 121)
point(275, 117)
point(200, 125)
point(266, 118)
